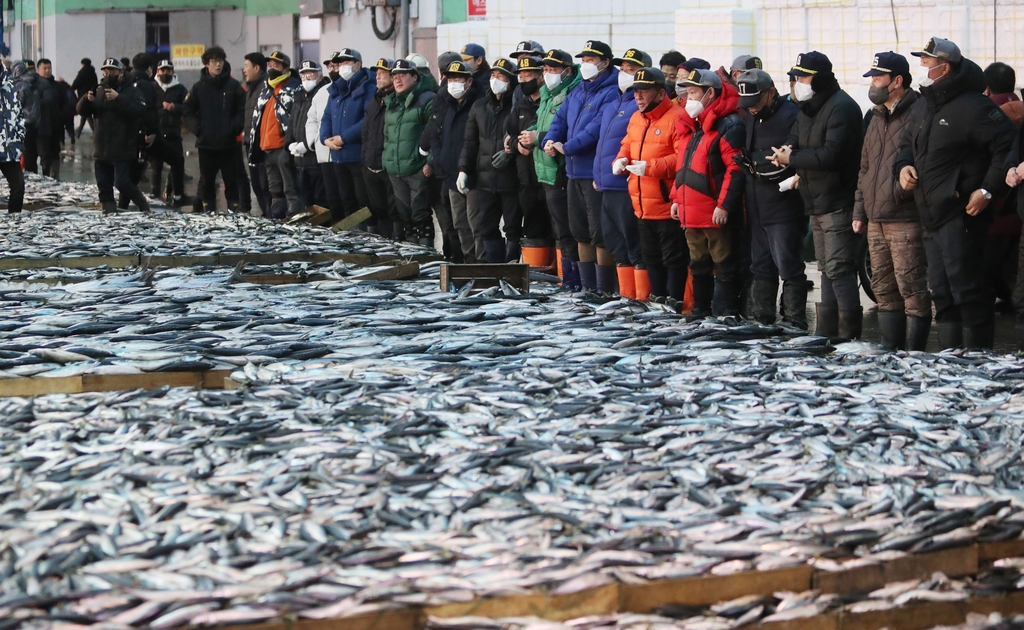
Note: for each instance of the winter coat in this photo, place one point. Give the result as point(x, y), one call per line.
point(577, 124)
point(215, 110)
point(447, 130)
point(522, 117)
point(116, 137)
point(170, 119)
point(372, 153)
point(651, 137)
point(708, 175)
point(12, 125)
point(406, 117)
point(1013, 159)
point(313, 120)
point(284, 97)
point(253, 91)
point(826, 144)
point(880, 198)
point(300, 114)
point(346, 108)
point(614, 123)
point(770, 128)
point(484, 137)
point(86, 81)
point(50, 118)
point(549, 168)
point(151, 119)
point(957, 139)
point(22, 78)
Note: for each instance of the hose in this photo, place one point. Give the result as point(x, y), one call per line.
point(383, 35)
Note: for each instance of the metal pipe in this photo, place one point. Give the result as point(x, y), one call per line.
point(406, 35)
point(39, 28)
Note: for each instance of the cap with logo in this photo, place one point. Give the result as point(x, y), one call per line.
point(470, 51)
point(648, 78)
point(702, 79)
point(280, 57)
point(530, 63)
point(809, 64)
point(746, 62)
point(596, 48)
point(309, 66)
point(347, 54)
point(888, 63)
point(445, 58)
point(636, 56)
point(457, 69)
point(111, 63)
point(557, 57)
point(941, 49)
point(403, 66)
point(382, 64)
point(331, 59)
point(505, 66)
point(528, 47)
point(165, 64)
point(695, 63)
point(751, 85)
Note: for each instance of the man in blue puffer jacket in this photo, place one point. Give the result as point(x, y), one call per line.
point(618, 222)
point(574, 133)
point(341, 130)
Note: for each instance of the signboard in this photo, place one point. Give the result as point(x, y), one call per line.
point(476, 9)
point(188, 56)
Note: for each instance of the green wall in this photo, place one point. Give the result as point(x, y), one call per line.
point(26, 9)
point(453, 11)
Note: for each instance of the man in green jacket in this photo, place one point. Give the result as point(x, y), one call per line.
point(561, 76)
point(407, 112)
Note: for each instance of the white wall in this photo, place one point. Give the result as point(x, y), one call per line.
point(68, 55)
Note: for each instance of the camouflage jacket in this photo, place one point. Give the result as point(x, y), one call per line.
point(12, 127)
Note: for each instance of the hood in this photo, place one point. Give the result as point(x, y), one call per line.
point(167, 86)
point(967, 78)
point(18, 70)
point(721, 107)
point(825, 86)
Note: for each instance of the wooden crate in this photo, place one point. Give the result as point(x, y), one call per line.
point(485, 276)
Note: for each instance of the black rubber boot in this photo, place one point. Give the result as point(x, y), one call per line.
point(979, 337)
point(827, 320)
point(512, 250)
point(917, 332)
point(1020, 336)
point(951, 335)
point(851, 323)
point(893, 327)
point(762, 299)
point(703, 294)
point(794, 300)
point(606, 279)
point(109, 207)
point(141, 202)
point(588, 275)
point(495, 250)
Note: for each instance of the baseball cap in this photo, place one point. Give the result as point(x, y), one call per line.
point(457, 69)
point(695, 63)
point(445, 58)
point(941, 49)
point(505, 66)
point(529, 62)
point(557, 57)
point(309, 66)
point(166, 63)
point(333, 58)
point(347, 54)
point(809, 64)
point(473, 50)
point(403, 66)
point(702, 78)
point(888, 63)
point(111, 63)
point(751, 85)
point(647, 78)
point(280, 57)
point(746, 62)
point(594, 47)
point(527, 47)
point(636, 56)
point(382, 64)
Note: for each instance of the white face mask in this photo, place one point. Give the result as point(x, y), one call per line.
point(309, 85)
point(457, 90)
point(694, 108)
point(625, 81)
point(589, 70)
point(803, 92)
point(680, 90)
point(552, 80)
point(498, 87)
point(923, 79)
point(346, 71)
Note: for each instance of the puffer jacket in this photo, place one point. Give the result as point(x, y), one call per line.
point(300, 114)
point(826, 145)
point(150, 93)
point(614, 123)
point(215, 110)
point(373, 130)
point(548, 168)
point(651, 137)
point(117, 122)
point(522, 117)
point(708, 175)
point(958, 140)
point(253, 91)
point(346, 109)
point(314, 118)
point(170, 119)
point(577, 124)
point(765, 204)
point(21, 76)
point(485, 136)
point(406, 116)
point(12, 125)
point(880, 198)
point(284, 97)
point(450, 122)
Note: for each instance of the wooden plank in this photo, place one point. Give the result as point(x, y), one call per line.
point(352, 220)
point(147, 380)
point(353, 259)
point(398, 619)
point(40, 386)
point(858, 580)
point(709, 589)
point(955, 562)
point(1006, 605)
point(485, 275)
point(603, 600)
point(178, 261)
point(911, 617)
point(79, 262)
point(396, 272)
point(214, 379)
point(321, 216)
point(230, 384)
point(282, 278)
point(827, 621)
point(987, 552)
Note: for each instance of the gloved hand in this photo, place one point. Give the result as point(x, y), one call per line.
point(619, 165)
point(500, 159)
point(638, 168)
point(462, 183)
point(298, 149)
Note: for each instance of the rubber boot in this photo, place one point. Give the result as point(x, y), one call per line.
point(233, 207)
point(917, 332)
point(494, 249)
point(606, 279)
point(675, 283)
point(703, 294)
point(588, 275)
point(1020, 336)
point(627, 282)
point(893, 327)
point(762, 299)
point(827, 320)
point(538, 257)
point(512, 250)
point(398, 231)
point(141, 202)
point(197, 204)
point(951, 335)
point(658, 277)
point(727, 299)
point(384, 228)
point(570, 275)
point(794, 299)
point(979, 336)
point(109, 207)
point(642, 284)
point(210, 208)
point(426, 235)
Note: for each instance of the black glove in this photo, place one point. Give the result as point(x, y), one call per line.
point(500, 159)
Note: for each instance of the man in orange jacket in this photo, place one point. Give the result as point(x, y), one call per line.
point(709, 189)
point(648, 154)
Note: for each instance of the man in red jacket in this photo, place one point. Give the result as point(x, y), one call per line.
point(708, 191)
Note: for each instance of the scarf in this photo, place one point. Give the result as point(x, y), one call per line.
point(274, 83)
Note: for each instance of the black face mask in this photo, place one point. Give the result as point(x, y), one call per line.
point(530, 87)
point(335, 75)
point(109, 82)
point(879, 95)
point(274, 73)
point(651, 106)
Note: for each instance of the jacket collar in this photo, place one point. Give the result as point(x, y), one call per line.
point(722, 106)
point(967, 78)
point(662, 108)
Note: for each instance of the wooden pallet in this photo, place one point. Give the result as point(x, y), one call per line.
point(485, 276)
point(352, 220)
point(41, 385)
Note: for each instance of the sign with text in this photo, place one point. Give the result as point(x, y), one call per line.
point(476, 9)
point(188, 56)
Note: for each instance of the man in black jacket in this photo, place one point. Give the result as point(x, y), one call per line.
point(254, 69)
point(151, 141)
point(776, 219)
point(487, 174)
point(378, 184)
point(171, 95)
point(952, 157)
point(824, 148)
point(303, 150)
point(51, 123)
point(84, 83)
point(214, 110)
point(118, 108)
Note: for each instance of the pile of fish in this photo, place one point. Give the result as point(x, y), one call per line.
point(995, 621)
point(44, 191)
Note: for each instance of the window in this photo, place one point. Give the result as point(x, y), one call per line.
point(158, 36)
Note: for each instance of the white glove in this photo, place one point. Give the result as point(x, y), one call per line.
point(424, 153)
point(638, 168)
point(462, 183)
point(619, 165)
point(297, 149)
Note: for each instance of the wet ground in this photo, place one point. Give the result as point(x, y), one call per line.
point(77, 166)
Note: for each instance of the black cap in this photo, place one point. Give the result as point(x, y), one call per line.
point(809, 64)
point(403, 66)
point(634, 55)
point(647, 78)
point(110, 63)
point(347, 54)
point(280, 57)
point(529, 62)
point(751, 85)
point(383, 64)
point(556, 57)
point(702, 79)
point(457, 69)
point(594, 47)
point(888, 63)
point(309, 66)
point(746, 62)
point(941, 49)
point(505, 66)
point(695, 63)
point(331, 59)
point(527, 47)
point(166, 63)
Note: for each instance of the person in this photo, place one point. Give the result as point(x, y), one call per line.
point(437, 194)
point(685, 68)
point(23, 81)
point(171, 95)
point(525, 48)
point(126, 63)
point(51, 121)
point(954, 172)
point(743, 63)
point(254, 71)
point(1014, 167)
point(1000, 81)
point(379, 192)
point(475, 57)
point(574, 133)
point(824, 148)
point(537, 245)
point(118, 108)
point(669, 65)
point(618, 223)
point(341, 131)
point(271, 122)
point(708, 191)
point(300, 145)
point(888, 213)
point(314, 119)
point(487, 175)
point(85, 82)
point(776, 217)
point(408, 110)
point(69, 100)
point(12, 140)
point(214, 110)
point(561, 77)
point(648, 155)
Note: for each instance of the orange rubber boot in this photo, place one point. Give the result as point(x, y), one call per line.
point(558, 262)
point(642, 284)
point(627, 283)
point(537, 256)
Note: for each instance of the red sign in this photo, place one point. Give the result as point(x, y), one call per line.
point(477, 9)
